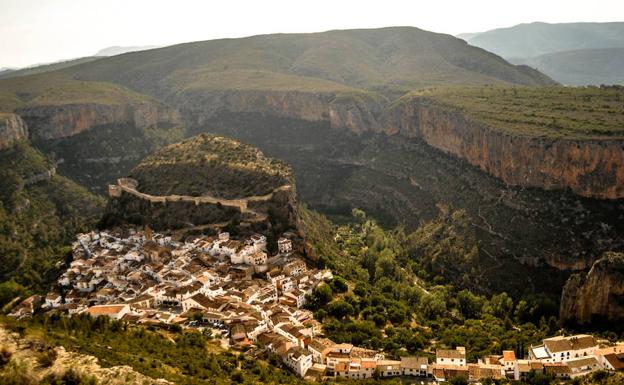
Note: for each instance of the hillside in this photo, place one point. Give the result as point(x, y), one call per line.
point(582, 66)
point(401, 57)
point(40, 213)
point(534, 39)
point(210, 182)
point(37, 69)
point(210, 165)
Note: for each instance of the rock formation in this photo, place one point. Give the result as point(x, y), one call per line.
point(590, 168)
point(596, 297)
point(12, 129)
point(356, 112)
point(59, 121)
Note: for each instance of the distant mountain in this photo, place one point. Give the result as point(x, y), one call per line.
point(534, 39)
point(118, 50)
point(368, 58)
point(581, 67)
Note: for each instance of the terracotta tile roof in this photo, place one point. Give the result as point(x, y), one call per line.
point(105, 309)
point(450, 353)
point(616, 360)
point(577, 342)
point(413, 362)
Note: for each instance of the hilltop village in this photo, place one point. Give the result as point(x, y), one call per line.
point(236, 291)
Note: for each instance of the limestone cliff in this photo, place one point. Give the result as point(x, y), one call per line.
point(598, 296)
point(59, 121)
point(356, 111)
point(12, 129)
point(590, 168)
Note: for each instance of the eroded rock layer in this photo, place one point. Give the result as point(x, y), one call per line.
point(598, 296)
point(590, 168)
point(59, 121)
point(12, 129)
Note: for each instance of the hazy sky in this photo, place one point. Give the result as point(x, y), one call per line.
point(37, 31)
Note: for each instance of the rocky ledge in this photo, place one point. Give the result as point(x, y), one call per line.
point(590, 168)
point(596, 297)
point(12, 129)
point(58, 121)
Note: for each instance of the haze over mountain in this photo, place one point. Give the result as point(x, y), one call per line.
point(571, 53)
point(592, 66)
point(118, 50)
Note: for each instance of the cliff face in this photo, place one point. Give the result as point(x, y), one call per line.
point(590, 168)
point(12, 129)
point(597, 296)
point(53, 122)
point(355, 113)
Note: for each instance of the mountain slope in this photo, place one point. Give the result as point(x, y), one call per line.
point(581, 67)
point(40, 213)
point(37, 69)
point(400, 56)
point(534, 39)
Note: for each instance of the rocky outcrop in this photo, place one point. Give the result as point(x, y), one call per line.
point(12, 129)
point(356, 111)
point(598, 296)
point(590, 168)
point(59, 121)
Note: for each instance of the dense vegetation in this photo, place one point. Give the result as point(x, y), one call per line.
point(40, 215)
point(550, 112)
point(405, 297)
point(211, 165)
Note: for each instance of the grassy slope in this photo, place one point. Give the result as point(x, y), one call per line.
point(56, 88)
point(558, 112)
point(207, 164)
point(40, 219)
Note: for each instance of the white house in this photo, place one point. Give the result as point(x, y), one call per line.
point(259, 242)
point(284, 245)
point(563, 349)
point(53, 300)
point(508, 361)
point(299, 360)
point(112, 311)
point(455, 356)
point(414, 366)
